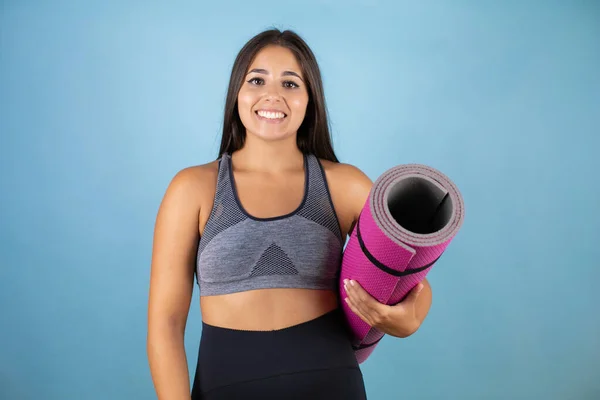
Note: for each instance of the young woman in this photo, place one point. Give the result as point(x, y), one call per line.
point(262, 229)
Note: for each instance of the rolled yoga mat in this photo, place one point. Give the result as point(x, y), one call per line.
point(411, 215)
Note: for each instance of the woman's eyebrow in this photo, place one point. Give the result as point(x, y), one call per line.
point(265, 72)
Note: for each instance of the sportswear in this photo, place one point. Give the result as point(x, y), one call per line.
point(313, 360)
point(239, 252)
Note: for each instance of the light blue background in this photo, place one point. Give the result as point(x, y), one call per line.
point(103, 102)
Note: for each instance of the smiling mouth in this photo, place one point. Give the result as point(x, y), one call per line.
point(271, 115)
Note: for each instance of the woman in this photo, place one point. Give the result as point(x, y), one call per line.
point(262, 228)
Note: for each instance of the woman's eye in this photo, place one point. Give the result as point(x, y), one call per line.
point(290, 84)
point(260, 81)
point(255, 81)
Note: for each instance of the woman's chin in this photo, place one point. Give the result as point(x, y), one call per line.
point(272, 135)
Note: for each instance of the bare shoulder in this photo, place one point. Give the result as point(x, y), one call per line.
point(350, 175)
point(351, 180)
point(196, 176)
point(350, 188)
point(192, 184)
point(189, 194)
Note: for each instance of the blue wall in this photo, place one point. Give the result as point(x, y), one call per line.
point(102, 103)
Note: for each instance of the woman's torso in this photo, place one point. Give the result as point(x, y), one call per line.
point(266, 198)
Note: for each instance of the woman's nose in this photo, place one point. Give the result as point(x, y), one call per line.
point(272, 93)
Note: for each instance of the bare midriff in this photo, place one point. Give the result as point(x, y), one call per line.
point(266, 309)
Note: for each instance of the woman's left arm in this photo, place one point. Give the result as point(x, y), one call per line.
point(402, 319)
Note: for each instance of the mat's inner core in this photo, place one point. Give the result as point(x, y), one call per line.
point(419, 206)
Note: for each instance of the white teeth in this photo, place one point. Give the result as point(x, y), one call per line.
point(271, 115)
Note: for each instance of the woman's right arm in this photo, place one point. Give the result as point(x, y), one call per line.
point(171, 285)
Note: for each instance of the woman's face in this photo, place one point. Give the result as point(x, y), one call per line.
point(273, 98)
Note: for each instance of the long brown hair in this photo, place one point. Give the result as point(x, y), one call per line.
point(314, 133)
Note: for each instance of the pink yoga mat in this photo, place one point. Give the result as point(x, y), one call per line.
point(413, 212)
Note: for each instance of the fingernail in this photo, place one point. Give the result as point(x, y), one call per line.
point(352, 283)
point(345, 281)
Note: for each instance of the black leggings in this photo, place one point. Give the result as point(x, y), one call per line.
point(312, 360)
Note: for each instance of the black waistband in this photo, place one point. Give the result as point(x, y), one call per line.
point(228, 356)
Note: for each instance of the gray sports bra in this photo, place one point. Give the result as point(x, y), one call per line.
point(239, 252)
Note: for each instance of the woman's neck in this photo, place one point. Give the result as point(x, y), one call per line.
point(269, 156)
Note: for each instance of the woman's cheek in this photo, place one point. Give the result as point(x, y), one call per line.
point(298, 106)
point(245, 100)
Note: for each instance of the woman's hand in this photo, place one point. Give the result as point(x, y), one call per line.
point(400, 320)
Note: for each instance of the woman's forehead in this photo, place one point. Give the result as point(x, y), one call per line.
point(275, 59)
